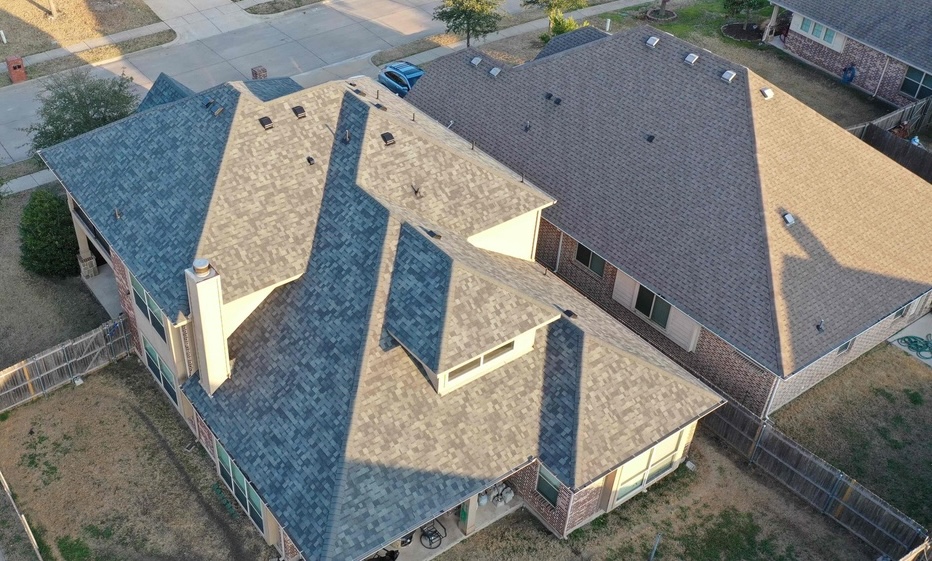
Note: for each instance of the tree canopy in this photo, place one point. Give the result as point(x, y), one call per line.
point(48, 246)
point(473, 18)
point(74, 103)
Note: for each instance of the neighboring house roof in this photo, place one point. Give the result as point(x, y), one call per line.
point(575, 38)
point(165, 89)
point(680, 178)
point(332, 421)
point(901, 29)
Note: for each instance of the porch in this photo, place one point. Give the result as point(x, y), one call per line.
point(104, 287)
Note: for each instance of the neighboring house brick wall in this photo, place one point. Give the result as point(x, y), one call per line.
point(524, 482)
point(126, 299)
point(794, 386)
point(869, 62)
point(586, 504)
point(713, 360)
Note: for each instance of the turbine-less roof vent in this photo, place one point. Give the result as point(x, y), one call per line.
point(767, 93)
point(388, 138)
point(495, 71)
point(789, 219)
point(729, 76)
point(475, 60)
point(299, 111)
point(691, 58)
point(266, 122)
point(652, 41)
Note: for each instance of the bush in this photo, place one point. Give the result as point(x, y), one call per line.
point(47, 241)
point(545, 38)
point(560, 24)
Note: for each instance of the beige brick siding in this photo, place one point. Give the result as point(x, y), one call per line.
point(586, 504)
point(794, 386)
point(524, 482)
point(126, 299)
point(869, 62)
point(713, 360)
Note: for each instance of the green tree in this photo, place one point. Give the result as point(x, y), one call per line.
point(554, 6)
point(74, 103)
point(474, 18)
point(735, 7)
point(560, 24)
point(48, 246)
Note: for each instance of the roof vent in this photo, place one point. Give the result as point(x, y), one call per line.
point(266, 122)
point(381, 107)
point(569, 313)
point(209, 103)
point(495, 71)
point(729, 76)
point(650, 138)
point(201, 267)
point(435, 235)
point(310, 160)
point(475, 60)
point(789, 219)
point(548, 96)
point(557, 101)
point(767, 93)
point(299, 111)
point(359, 92)
point(218, 111)
point(388, 138)
point(652, 41)
point(691, 58)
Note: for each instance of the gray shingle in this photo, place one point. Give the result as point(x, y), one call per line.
point(902, 29)
point(575, 38)
point(165, 89)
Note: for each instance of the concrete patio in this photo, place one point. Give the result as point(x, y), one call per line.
point(104, 288)
point(921, 328)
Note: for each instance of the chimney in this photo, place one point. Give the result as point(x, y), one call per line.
point(205, 296)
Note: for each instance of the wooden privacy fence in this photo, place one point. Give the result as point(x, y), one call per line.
point(917, 115)
point(819, 483)
point(914, 158)
point(42, 373)
point(21, 517)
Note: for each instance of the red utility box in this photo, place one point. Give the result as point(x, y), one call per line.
point(16, 69)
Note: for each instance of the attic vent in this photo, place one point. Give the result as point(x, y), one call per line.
point(729, 76)
point(209, 103)
point(789, 219)
point(388, 138)
point(767, 93)
point(652, 41)
point(299, 111)
point(569, 313)
point(557, 101)
point(218, 111)
point(495, 71)
point(266, 122)
point(475, 60)
point(435, 235)
point(381, 107)
point(691, 58)
point(310, 160)
point(359, 92)
point(650, 138)
point(548, 96)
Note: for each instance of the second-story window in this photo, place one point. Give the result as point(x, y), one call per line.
point(148, 307)
point(588, 258)
point(654, 307)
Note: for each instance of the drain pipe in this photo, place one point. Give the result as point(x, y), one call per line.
point(559, 253)
point(882, 74)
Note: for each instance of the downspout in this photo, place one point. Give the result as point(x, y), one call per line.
point(882, 74)
point(556, 269)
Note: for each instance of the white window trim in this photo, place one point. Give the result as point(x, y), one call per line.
point(838, 41)
point(845, 347)
point(652, 304)
point(592, 254)
point(924, 76)
point(541, 468)
point(482, 368)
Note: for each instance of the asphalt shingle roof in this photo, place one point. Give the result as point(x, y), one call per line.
point(165, 89)
point(902, 29)
point(574, 38)
point(674, 176)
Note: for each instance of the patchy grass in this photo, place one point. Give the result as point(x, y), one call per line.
point(98, 54)
point(276, 6)
point(870, 421)
point(127, 486)
point(722, 512)
point(21, 168)
point(29, 29)
point(700, 23)
point(38, 312)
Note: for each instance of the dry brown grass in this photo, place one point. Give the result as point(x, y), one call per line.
point(21, 168)
point(276, 6)
point(415, 47)
point(107, 463)
point(98, 54)
point(872, 420)
point(37, 313)
point(678, 506)
point(29, 30)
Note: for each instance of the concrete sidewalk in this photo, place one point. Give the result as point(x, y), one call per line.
point(94, 43)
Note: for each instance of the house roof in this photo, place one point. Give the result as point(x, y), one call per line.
point(901, 29)
point(332, 421)
point(678, 178)
point(165, 89)
point(575, 38)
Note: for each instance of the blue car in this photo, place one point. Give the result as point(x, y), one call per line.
point(399, 77)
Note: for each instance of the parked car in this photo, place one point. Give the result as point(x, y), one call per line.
point(399, 77)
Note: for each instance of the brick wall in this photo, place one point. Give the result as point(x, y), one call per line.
point(126, 299)
point(524, 482)
point(870, 65)
point(713, 360)
point(586, 504)
point(794, 386)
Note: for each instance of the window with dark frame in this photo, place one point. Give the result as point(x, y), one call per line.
point(242, 488)
point(147, 305)
point(654, 307)
point(590, 259)
point(917, 84)
point(548, 485)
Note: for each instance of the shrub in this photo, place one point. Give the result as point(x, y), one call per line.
point(47, 241)
point(545, 38)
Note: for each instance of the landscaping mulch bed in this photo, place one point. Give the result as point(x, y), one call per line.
point(105, 472)
point(871, 419)
point(740, 32)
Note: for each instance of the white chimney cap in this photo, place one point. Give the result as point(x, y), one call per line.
point(652, 41)
point(729, 76)
point(767, 93)
point(691, 58)
point(201, 267)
